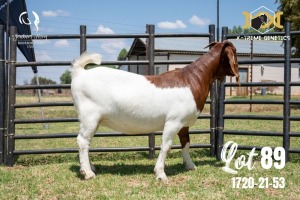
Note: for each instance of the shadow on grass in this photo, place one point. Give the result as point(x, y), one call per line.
point(199, 156)
point(123, 169)
point(296, 107)
point(136, 169)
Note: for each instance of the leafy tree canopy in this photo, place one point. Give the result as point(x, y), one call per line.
point(65, 78)
point(42, 81)
point(122, 54)
point(291, 10)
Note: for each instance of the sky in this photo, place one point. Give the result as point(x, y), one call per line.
point(118, 17)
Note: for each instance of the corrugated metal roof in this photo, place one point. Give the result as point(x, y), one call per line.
point(198, 44)
point(259, 46)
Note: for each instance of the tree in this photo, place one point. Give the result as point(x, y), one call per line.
point(65, 78)
point(236, 30)
point(240, 30)
point(122, 54)
point(291, 10)
point(42, 81)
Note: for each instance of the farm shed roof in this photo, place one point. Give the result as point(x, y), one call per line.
point(196, 46)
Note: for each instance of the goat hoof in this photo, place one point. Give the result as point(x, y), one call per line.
point(87, 174)
point(163, 178)
point(190, 167)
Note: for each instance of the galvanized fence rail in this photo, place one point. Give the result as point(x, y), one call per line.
point(217, 100)
point(9, 150)
point(286, 117)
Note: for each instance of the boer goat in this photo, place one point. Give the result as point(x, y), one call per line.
point(132, 103)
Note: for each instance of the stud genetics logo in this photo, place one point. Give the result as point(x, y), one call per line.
point(28, 22)
point(262, 20)
point(30, 40)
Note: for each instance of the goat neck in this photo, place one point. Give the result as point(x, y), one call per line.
point(201, 74)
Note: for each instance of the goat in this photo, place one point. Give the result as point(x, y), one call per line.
point(132, 103)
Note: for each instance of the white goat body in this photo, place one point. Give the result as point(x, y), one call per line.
point(129, 103)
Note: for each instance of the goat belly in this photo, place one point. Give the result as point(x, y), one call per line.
point(130, 103)
point(146, 110)
point(132, 125)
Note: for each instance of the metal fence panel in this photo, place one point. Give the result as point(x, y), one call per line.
point(149, 35)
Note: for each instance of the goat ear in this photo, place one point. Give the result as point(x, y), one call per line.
point(211, 45)
point(231, 55)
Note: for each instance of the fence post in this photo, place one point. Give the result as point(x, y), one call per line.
point(82, 39)
point(12, 95)
point(287, 90)
point(2, 95)
point(221, 108)
point(150, 29)
point(150, 48)
point(214, 102)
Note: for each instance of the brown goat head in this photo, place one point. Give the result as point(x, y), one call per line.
point(228, 65)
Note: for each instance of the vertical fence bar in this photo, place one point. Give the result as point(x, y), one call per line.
point(221, 108)
point(214, 102)
point(6, 90)
point(2, 95)
point(12, 95)
point(82, 39)
point(287, 90)
point(150, 29)
point(150, 48)
point(6, 74)
point(220, 128)
point(224, 33)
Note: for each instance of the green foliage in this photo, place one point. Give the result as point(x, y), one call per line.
point(291, 10)
point(42, 81)
point(66, 77)
point(240, 30)
point(122, 54)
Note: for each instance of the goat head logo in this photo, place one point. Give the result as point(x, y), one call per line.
point(257, 22)
point(262, 20)
point(27, 21)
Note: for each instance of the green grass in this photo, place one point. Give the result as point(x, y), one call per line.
point(129, 175)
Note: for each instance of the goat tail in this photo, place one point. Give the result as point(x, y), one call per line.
point(84, 59)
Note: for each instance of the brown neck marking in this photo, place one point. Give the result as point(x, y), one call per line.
point(198, 76)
